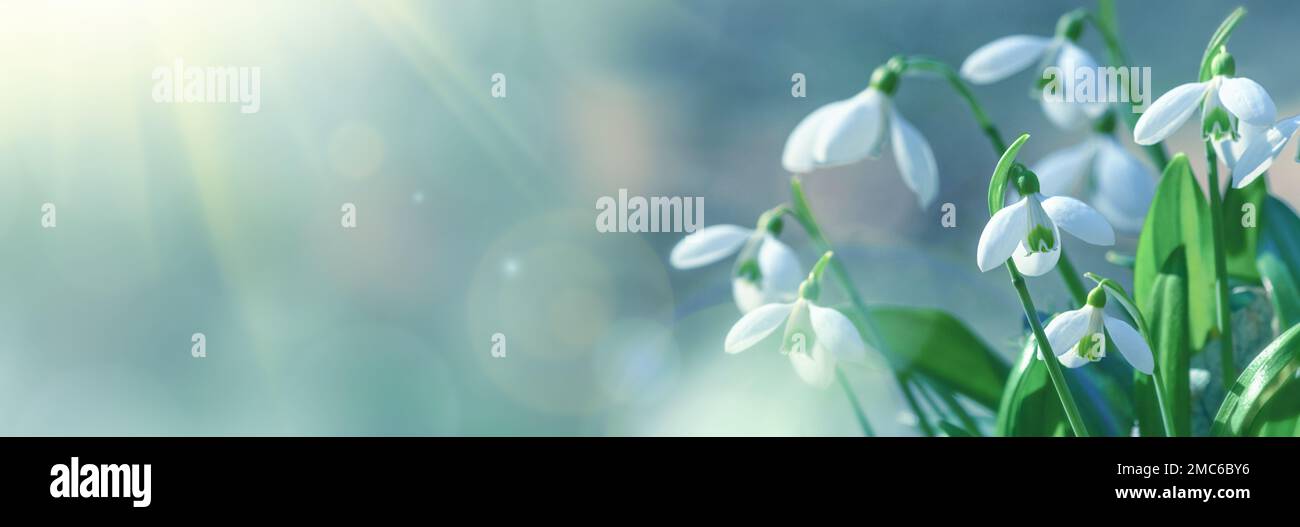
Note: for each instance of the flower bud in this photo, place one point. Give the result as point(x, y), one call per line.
point(1223, 64)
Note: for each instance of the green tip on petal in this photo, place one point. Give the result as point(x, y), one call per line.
point(1040, 239)
point(1091, 347)
point(748, 270)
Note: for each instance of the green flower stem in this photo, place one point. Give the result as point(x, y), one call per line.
point(934, 66)
point(1223, 309)
point(1104, 21)
point(922, 419)
point(1045, 347)
point(803, 214)
point(1166, 413)
point(853, 401)
point(1067, 272)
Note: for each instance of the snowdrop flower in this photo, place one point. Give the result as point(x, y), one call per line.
point(1253, 154)
point(1029, 231)
point(845, 132)
point(767, 270)
point(1101, 170)
point(1198, 379)
point(816, 338)
point(1079, 337)
point(1007, 56)
point(1243, 98)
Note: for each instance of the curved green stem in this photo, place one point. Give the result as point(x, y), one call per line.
point(959, 85)
point(1104, 21)
point(1223, 309)
point(803, 213)
point(853, 401)
point(1045, 348)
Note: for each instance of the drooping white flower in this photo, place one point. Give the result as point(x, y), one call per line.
point(778, 272)
point(1029, 232)
point(1243, 98)
point(1254, 151)
point(1007, 56)
point(1102, 171)
point(1198, 379)
point(1079, 337)
point(816, 338)
point(845, 132)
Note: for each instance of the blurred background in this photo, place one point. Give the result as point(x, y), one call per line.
point(475, 214)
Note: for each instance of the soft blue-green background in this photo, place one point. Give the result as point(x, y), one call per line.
point(476, 214)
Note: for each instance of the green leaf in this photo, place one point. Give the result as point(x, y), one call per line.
point(936, 345)
point(1030, 406)
point(1220, 38)
point(1169, 338)
point(1278, 259)
point(953, 430)
point(998, 183)
point(1179, 217)
point(1265, 400)
point(1240, 238)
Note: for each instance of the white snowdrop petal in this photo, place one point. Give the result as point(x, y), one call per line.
point(755, 326)
point(1074, 64)
point(1072, 359)
point(798, 157)
point(915, 160)
point(1001, 235)
point(852, 131)
point(1168, 113)
point(837, 334)
point(1038, 264)
point(1125, 187)
point(1079, 219)
point(1260, 149)
point(708, 245)
point(1131, 345)
point(1059, 173)
point(1066, 329)
point(748, 295)
point(1003, 57)
point(779, 266)
point(1247, 100)
point(815, 366)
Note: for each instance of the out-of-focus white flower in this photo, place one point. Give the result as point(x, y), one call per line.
point(1198, 379)
point(816, 338)
point(1007, 56)
point(1079, 337)
point(1029, 231)
point(1253, 153)
point(774, 278)
point(1103, 172)
point(848, 131)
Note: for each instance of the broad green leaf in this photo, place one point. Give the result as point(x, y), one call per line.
point(1265, 400)
point(1030, 406)
point(936, 345)
point(1279, 259)
point(1240, 232)
point(998, 183)
point(1179, 217)
point(1169, 338)
point(1219, 38)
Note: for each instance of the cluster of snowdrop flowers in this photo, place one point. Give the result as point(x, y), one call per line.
point(816, 339)
point(1237, 115)
point(1029, 231)
point(853, 129)
point(767, 270)
point(1009, 55)
point(1118, 184)
point(1079, 337)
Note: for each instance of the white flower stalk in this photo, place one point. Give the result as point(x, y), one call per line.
point(1079, 337)
point(848, 131)
point(768, 271)
point(1007, 56)
point(1103, 172)
point(1029, 231)
point(816, 339)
